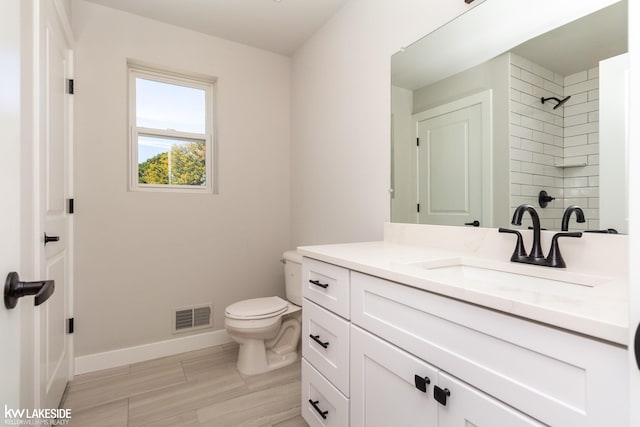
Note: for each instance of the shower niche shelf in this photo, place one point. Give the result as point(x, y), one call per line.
point(570, 165)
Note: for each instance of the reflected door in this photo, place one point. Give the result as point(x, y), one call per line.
point(450, 167)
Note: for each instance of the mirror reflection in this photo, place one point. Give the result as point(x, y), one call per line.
point(542, 123)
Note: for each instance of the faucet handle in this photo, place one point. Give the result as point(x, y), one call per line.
point(519, 252)
point(554, 259)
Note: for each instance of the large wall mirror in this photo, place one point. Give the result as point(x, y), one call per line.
point(514, 102)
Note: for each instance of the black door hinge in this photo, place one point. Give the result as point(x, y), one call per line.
point(70, 86)
point(418, 142)
point(418, 207)
point(70, 325)
point(70, 206)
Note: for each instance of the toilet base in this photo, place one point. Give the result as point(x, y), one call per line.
point(273, 361)
point(257, 356)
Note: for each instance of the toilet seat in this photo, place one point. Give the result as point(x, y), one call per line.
point(256, 308)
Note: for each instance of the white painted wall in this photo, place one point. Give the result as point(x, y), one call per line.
point(340, 117)
point(141, 254)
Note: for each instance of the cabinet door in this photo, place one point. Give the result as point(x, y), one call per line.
point(383, 384)
point(465, 406)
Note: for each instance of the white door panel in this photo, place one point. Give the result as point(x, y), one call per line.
point(53, 349)
point(450, 167)
point(454, 162)
point(10, 327)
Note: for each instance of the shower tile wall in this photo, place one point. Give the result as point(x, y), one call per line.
point(542, 138)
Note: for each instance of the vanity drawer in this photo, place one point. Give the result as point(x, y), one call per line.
point(326, 285)
point(549, 374)
point(325, 344)
point(322, 404)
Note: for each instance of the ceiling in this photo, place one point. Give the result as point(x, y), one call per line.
point(581, 44)
point(500, 25)
point(279, 26)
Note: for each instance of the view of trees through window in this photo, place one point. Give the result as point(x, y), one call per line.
point(181, 164)
point(170, 131)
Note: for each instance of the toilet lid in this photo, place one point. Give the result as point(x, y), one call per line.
point(257, 308)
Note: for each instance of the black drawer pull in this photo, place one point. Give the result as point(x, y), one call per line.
point(317, 283)
point(322, 413)
point(316, 338)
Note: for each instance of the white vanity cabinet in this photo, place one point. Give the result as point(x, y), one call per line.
point(405, 343)
point(555, 377)
point(325, 344)
point(391, 386)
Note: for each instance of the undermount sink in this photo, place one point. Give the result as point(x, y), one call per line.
point(461, 270)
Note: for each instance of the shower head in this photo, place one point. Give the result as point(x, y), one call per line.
point(559, 101)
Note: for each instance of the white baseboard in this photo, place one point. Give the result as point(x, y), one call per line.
point(141, 353)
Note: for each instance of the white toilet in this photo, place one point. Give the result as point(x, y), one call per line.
point(268, 329)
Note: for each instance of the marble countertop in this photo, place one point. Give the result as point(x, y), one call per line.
point(598, 307)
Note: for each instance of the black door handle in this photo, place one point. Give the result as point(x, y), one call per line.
point(475, 223)
point(48, 239)
point(636, 346)
point(15, 289)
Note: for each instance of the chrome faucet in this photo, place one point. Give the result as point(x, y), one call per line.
point(536, 256)
point(567, 215)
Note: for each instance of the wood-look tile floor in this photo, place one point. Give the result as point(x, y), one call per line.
point(196, 389)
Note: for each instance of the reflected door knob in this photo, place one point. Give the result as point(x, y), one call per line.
point(48, 239)
point(475, 223)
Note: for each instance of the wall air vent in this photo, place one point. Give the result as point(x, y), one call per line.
point(190, 318)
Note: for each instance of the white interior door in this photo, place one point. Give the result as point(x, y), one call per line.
point(53, 347)
point(10, 331)
point(634, 214)
point(450, 190)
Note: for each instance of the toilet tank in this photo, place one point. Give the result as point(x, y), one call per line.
point(293, 276)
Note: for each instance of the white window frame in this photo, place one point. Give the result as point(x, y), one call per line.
point(169, 77)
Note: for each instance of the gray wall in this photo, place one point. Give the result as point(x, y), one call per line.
point(138, 255)
point(340, 117)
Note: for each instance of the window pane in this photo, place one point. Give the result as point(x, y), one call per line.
point(169, 106)
point(171, 161)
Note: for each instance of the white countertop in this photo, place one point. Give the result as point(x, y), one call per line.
point(599, 311)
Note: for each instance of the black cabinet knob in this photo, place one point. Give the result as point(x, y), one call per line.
point(441, 394)
point(421, 383)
